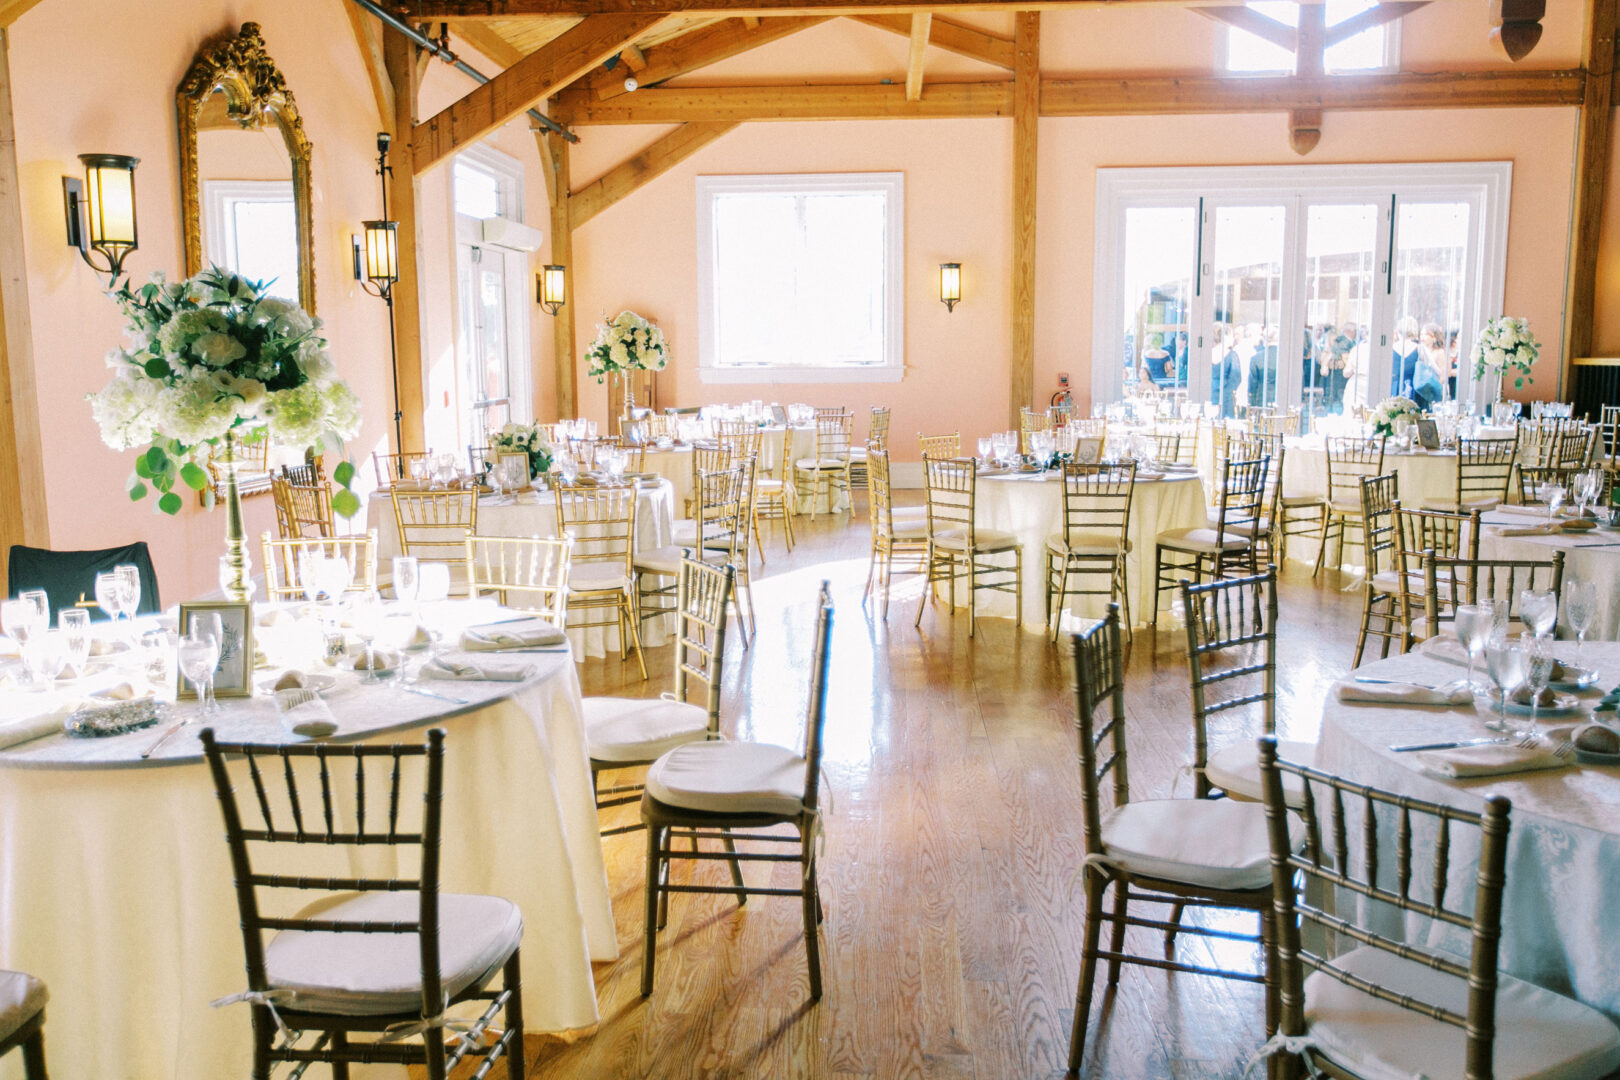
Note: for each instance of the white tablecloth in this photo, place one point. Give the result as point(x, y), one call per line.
point(534, 513)
point(1588, 556)
point(1033, 509)
point(1561, 925)
point(675, 465)
point(115, 880)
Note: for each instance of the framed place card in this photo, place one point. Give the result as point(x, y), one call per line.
point(1088, 450)
point(233, 675)
point(1428, 434)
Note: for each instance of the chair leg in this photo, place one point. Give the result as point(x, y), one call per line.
point(1054, 612)
point(33, 1052)
point(1125, 599)
point(649, 934)
point(433, 1056)
point(1176, 911)
point(628, 614)
point(736, 869)
point(1088, 969)
point(812, 919)
point(973, 595)
point(1158, 582)
point(340, 1044)
point(1366, 624)
point(1322, 541)
point(516, 1066)
point(1116, 937)
point(1018, 587)
point(928, 585)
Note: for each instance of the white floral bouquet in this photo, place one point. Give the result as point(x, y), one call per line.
point(214, 355)
point(1392, 409)
point(524, 439)
point(628, 343)
point(1506, 344)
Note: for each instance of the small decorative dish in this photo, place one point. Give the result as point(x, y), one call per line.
point(1566, 676)
point(1553, 704)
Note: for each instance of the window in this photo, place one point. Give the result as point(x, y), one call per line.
point(1375, 49)
point(799, 278)
point(251, 230)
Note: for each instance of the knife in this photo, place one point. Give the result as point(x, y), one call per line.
point(431, 694)
point(163, 738)
point(1409, 747)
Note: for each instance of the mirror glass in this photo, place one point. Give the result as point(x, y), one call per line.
point(248, 215)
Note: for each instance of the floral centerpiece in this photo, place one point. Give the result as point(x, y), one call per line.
point(205, 359)
point(627, 344)
point(524, 439)
point(1506, 344)
point(1392, 409)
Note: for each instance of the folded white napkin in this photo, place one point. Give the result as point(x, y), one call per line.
point(526, 634)
point(1445, 647)
point(484, 671)
point(1499, 759)
point(46, 721)
point(1451, 693)
point(304, 712)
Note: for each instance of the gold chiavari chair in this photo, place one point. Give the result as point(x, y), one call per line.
point(693, 792)
point(660, 426)
point(283, 576)
point(1381, 592)
point(1484, 470)
point(601, 574)
point(525, 572)
point(302, 509)
point(1191, 432)
point(629, 733)
point(877, 431)
point(1204, 853)
point(829, 468)
point(746, 445)
point(1532, 477)
point(956, 545)
point(716, 532)
point(903, 539)
point(1089, 427)
point(1166, 445)
point(1273, 421)
point(1282, 516)
point(1029, 422)
point(1446, 534)
point(940, 446)
point(1349, 460)
point(585, 450)
point(434, 525)
point(1095, 541)
point(391, 468)
point(1213, 550)
point(774, 499)
point(1608, 440)
point(1376, 1005)
point(737, 543)
point(310, 474)
point(1478, 581)
point(831, 412)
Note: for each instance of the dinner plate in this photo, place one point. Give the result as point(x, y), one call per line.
point(1583, 677)
point(1562, 704)
point(312, 681)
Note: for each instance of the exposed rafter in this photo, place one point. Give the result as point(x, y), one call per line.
point(12, 10)
point(1346, 29)
point(368, 37)
point(482, 37)
point(1026, 129)
point(652, 162)
point(697, 49)
point(1593, 136)
point(1261, 26)
point(916, 55)
point(953, 37)
point(675, 105)
point(435, 10)
point(537, 75)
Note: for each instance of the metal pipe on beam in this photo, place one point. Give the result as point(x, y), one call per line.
point(449, 57)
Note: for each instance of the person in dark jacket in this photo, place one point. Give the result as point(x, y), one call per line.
point(1263, 372)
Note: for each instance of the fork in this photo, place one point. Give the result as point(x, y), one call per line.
point(1530, 742)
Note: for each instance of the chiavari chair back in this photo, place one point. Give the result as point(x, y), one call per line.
point(1608, 441)
point(434, 525)
point(283, 562)
point(601, 575)
point(957, 546)
point(1227, 545)
point(903, 540)
point(1232, 664)
point(529, 573)
point(828, 470)
point(309, 474)
point(302, 509)
point(1484, 470)
point(1533, 477)
point(1095, 540)
point(1381, 587)
point(877, 433)
point(1448, 534)
point(1350, 459)
point(1448, 583)
point(391, 468)
point(940, 446)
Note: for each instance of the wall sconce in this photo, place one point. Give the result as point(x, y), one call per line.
point(551, 288)
point(376, 258)
point(101, 211)
point(950, 284)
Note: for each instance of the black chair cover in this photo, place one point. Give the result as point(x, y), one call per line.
point(66, 576)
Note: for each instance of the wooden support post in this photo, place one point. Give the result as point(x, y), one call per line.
point(1591, 169)
point(554, 159)
point(914, 59)
point(22, 462)
point(400, 56)
point(1026, 121)
point(1310, 60)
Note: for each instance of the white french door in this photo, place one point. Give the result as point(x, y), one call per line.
point(1306, 286)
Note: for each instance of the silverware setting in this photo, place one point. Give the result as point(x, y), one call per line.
point(1374, 680)
point(431, 694)
point(1407, 748)
point(163, 738)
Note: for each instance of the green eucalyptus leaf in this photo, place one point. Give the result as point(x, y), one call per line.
point(344, 473)
point(345, 503)
point(193, 475)
point(143, 471)
point(156, 459)
point(157, 369)
point(170, 504)
point(137, 491)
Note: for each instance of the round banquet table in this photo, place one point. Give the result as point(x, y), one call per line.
point(1588, 556)
point(115, 880)
point(534, 513)
point(1031, 506)
point(775, 445)
point(1561, 926)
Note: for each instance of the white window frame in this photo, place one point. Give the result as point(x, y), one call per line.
point(1487, 185)
point(892, 369)
point(220, 226)
point(1392, 57)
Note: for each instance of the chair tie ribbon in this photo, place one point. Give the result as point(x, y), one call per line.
point(411, 1028)
point(1095, 858)
point(1299, 1045)
point(269, 999)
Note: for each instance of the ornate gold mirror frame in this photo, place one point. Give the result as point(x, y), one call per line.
point(255, 93)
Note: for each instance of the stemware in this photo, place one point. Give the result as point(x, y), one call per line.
point(1473, 630)
point(1553, 495)
point(1505, 664)
point(1538, 663)
point(311, 566)
point(158, 659)
point(130, 577)
point(108, 588)
point(1538, 609)
point(74, 623)
point(987, 446)
point(1580, 605)
point(44, 656)
point(367, 615)
point(41, 602)
point(20, 619)
point(568, 467)
point(407, 579)
point(198, 656)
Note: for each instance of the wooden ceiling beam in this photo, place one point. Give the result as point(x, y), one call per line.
point(953, 37)
point(482, 37)
point(1261, 26)
point(917, 54)
point(1373, 16)
point(677, 105)
point(541, 73)
point(368, 38)
point(435, 10)
point(12, 10)
point(695, 50)
point(657, 159)
point(1593, 135)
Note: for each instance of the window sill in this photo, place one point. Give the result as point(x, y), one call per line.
point(783, 376)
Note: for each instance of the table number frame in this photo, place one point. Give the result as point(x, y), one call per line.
point(233, 677)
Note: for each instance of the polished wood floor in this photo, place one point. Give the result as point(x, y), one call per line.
point(953, 834)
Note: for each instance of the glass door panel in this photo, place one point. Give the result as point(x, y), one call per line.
point(1161, 245)
point(1341, 246)
point(1428, 288)
point(1246, 275)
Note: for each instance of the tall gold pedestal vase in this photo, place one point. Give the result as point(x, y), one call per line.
point(235, 576)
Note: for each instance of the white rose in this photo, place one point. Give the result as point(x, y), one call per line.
point(218, 349)
point(619, 355)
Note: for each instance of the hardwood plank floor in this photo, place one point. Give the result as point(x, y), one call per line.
point(952, 937)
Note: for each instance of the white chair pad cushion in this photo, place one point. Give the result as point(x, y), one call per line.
point(684, 534)
point(919, 512)
point(908, 528)
point(1235, 769)
point(857, 453)
point(1217, 843)
point(1450, 503)
point(1099, 544)
point(729, 777)
point(21, 998)
point(1539, 1034)
point(640, 729)
point(1294, 502)
point(983, 539)
point(1201, 539)
point(596, 576)
point(811, 464)
point(766, 486)
point(1346, 506)
point(664, 560)
point(376, 974)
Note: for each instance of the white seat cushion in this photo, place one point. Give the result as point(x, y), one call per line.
point(1539, 1034)
point(983, 539)
point(21, 998)
point(640, 729)
point(910, 512)
point(729, 777)
point(375, 974)
point(766, 486)
point(684, 534)
point(1346, 506)
point(1217, 843)
point(1294, 502)
point(857, 453)
point(811, 464)
point(1448, 502)
point(909, 529)
point(596, 576)
point(1100, 544)
point(1202, 539)
point(1235, 769)
point(664, 560)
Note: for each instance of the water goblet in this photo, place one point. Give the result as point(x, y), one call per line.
point(1580, 605)
point(367, 615)
point(74, 624)
point(987, 446)
point(311, 566)
point(1538, 657)
point(1473, 630)
point(158, 659)
point(130, 577)
point(41, 602)
point(1505, 664)
point(107, 593)
point(44, 657)
point(197, 657)
point(1538, 609)
point(567, 467)
point(407, 579)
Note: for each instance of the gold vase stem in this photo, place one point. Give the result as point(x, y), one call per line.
point(240, 566)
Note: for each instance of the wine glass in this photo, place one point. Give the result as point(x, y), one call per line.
point(367, 617)
point(1538, 609)
point(1553, 495)
point(158, 653)
point(1580, 605)
point(130, 577)
point(311, 566)
point(198, 655)
point(614, 460)
point(74, 624)
point(987, 446)
point(41, 602)
point(1505, 664)
point(1538, 656)
point(419, 470)
point(516, 473)
point(1473, 630)
point(407, 579)
point(568, 467)
point(107, 590)
point(20, 618)
point(44, 656)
